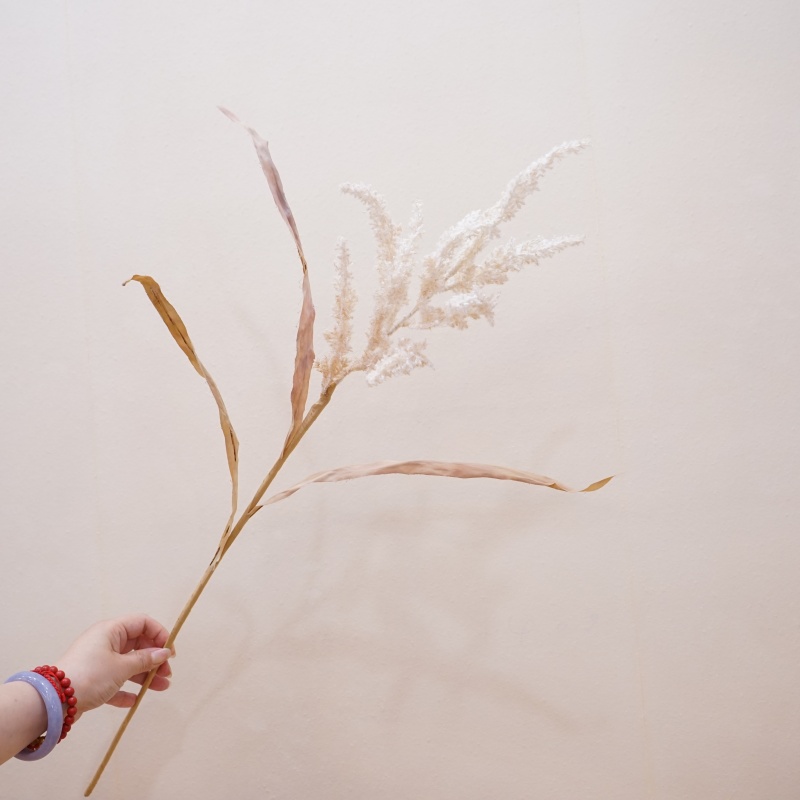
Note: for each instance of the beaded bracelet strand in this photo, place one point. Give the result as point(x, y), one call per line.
point(55, 690)
point(61, 683)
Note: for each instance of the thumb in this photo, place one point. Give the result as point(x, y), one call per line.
point(145, 659)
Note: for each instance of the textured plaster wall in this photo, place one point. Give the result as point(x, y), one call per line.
point(400, 637)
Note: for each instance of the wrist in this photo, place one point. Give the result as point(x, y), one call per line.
point(23, 717)
point(80, 681)
point(52, 687)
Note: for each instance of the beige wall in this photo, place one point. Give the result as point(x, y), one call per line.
point(409, 637)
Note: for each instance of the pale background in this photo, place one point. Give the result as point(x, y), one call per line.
point(412, 637)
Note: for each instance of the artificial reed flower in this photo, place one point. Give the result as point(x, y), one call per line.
point(452, 279)
point(451, 293)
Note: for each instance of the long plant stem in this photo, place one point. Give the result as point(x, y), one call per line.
point(227, 540)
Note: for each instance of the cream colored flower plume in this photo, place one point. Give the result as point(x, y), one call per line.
point(452, 279)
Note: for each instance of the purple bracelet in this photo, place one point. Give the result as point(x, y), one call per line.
point(55, 714)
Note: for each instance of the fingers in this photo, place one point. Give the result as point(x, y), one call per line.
point(165, 670)
point(122, 700)
point(137, 631)
point(137, 662)
point(127, 699)
point(142, 649)
point(159, 683)
point(161, 679)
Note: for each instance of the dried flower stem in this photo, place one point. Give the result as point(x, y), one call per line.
point(252, 508)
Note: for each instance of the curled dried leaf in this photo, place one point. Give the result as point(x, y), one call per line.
point(178, 330)
point(444, 469)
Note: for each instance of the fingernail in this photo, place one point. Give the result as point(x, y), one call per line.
point(162, 654)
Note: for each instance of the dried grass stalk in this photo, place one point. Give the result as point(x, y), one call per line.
point(450, 293)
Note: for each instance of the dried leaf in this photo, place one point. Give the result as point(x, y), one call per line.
point(445, 469)
point(272, 176)
point(178, 330)
point(304, 358)
point(593, 487)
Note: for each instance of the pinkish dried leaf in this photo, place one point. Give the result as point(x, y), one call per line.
point(304, 357)
point(445, 469)
point(271, 174)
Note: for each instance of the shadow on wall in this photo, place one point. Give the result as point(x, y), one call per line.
point(390, 653)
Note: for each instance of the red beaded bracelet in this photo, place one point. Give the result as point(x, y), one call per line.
point(61, 683)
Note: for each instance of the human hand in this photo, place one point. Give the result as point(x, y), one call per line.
point(111, 652)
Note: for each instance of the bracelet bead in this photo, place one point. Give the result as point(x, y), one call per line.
point(66, 693)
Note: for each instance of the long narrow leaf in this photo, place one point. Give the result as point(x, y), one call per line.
point(178, 330)
point(304, 358)
point(444, 469)
point(271, 174)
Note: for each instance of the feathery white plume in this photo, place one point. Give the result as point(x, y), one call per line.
point(451, 273)
point(402, 357)
point(335, 366)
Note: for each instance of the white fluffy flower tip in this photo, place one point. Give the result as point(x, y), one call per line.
point(471, 305)
point(403, 357)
